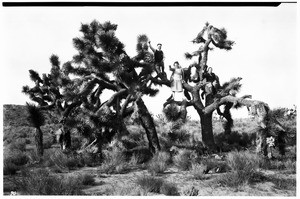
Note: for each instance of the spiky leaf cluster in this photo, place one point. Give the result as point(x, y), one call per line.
point(36, 117)
point(172, 112)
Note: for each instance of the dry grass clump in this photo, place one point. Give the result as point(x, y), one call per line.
point(41, 182)
point(87, 179)
point(169, 189)
point(56, 158)
point(190, 191)
point(159, 163)
point(10, 168)
point(183, 159)
point(114, 162)
point(198, 171)
point(156, 185)
point(243, 166)
point(13, 161)
point(283, 183)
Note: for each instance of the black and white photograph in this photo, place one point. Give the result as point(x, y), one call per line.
point(149, 98)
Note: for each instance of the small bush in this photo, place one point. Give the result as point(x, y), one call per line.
point(88, 179)
point(179, 136)
point(232, 179)
point(291, 166)
point(150, 184)
point(40, 182)
point(123, 191)
point(47, 143)
point(198, 171)
point(169, 189)
point(90, 159)
point(73, 162)
point(159, 163)
point(56, 158)
point(172, 112)
point(243, 161)
point(183, 160)
point(243, 167)
point(76, 143)
point(18, 144)
point(190, 191)
point(215, 165)
point(283, 184)
point(114, 162)
point(9, 168)
point(17, 157)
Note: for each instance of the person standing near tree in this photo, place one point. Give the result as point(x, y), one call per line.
point(158, 58)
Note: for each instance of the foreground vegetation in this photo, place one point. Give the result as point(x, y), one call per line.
point(183, 167)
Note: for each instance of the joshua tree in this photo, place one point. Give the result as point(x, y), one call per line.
point(215, 96)
point(76, 89)
point(37, 119)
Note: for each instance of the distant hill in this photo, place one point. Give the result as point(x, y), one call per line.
point(16, 125)
point(16, 115)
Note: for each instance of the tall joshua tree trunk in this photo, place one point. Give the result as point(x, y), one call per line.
point(39, 141)
point(207, 130)
point(206, 122)
point(148, 124)
point(37, 119)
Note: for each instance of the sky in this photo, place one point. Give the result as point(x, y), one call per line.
point(264, 54)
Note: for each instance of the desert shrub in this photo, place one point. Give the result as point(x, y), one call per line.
point(283, 183)
point(243, 161)
point(87, 179)
point(47, 143)
point(16, 157)
point(179, 136)
point(10, 168)
point(234, 140)
point(27, 141)
point(190, 191)
point(171, 112)
point(291, 152)
point(114, 162)
point(123, 191)
point(198, 171)
point(150, 184)
point(73, 162)
point(183, 159)
point(159, 163)
point(18, 144)
point(231, 179)
point(169, 189)
point(213, 164)
point(243, 167)
point(291, 166)
point(32, 156)
point(56, 158)
point(76, 143)
point(90, 159)
point(40, 182)
point(142, 153)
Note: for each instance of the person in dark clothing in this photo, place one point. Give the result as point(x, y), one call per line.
point(212, 78)
point(158, 58)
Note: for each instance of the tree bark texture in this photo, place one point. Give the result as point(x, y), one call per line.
point(148, 124)
point(39, 142)
point(207, 131)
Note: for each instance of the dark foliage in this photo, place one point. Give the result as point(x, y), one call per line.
point(36, 117)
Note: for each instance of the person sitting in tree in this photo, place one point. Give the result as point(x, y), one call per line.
point(158, 58)
point(212, 78)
